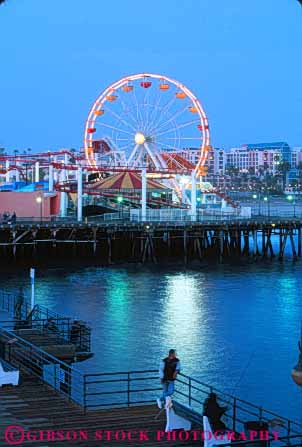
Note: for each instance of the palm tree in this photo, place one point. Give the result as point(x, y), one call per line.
point(284, 168)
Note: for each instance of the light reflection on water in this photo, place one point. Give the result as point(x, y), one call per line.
point(220, 320)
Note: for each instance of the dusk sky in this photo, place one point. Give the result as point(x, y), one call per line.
point(242, 59)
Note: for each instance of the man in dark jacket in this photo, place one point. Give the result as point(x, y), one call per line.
point(214, 412)
point(168, 369)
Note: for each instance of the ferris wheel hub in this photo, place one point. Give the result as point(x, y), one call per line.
point(139, 138)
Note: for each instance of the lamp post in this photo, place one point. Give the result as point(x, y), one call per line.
point(40, 201)
point(292, 198)
point(266, 199)
point(255, 197)
point(119, 201)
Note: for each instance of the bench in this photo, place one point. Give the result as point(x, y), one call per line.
point(8, 375)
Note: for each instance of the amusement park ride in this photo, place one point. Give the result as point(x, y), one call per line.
point(143, 124)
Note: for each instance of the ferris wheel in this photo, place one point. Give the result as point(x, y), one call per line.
point(147, 120)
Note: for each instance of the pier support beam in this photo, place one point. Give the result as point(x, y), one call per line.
point(299, 242)
point(255, 243)
point(193, 197)
point(63, 197)
point(50, 178)
point(37, 171)
point(7, 175)
point(144, 194)
point(17, 173)
point(80, 195)
point(183, 193)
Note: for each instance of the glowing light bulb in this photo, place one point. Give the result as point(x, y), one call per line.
point(139, 138)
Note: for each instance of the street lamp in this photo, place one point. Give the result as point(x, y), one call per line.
point(119, 201)
point(266, 199)
point(292, 198)
point(255, 197)
point(40, 201)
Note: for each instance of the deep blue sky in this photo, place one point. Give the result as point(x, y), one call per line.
point(243, 59)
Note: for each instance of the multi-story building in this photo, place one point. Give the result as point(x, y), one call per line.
point(215, 162)
point(296, 157)
point(257, 157)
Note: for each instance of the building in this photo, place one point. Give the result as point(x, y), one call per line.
point(296, 157)
point(256, 157)
point(215, 162)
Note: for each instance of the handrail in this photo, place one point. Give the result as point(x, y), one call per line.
point(168, 217)
point(35, 361)
point(8, 303)
point(239, 408)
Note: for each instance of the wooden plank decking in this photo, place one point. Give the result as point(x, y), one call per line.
point(35, 406)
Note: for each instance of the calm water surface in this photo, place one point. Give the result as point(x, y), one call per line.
point(222, 321)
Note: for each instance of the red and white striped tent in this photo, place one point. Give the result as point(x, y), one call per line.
point(126, 181)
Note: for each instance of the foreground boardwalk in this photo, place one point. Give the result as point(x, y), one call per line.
point(35, 406)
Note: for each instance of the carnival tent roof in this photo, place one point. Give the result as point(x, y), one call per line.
point(126, 180)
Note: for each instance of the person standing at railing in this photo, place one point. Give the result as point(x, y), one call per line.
point(168, 369)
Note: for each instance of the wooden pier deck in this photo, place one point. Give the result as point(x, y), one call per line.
point(35, 406)
point(152, 242)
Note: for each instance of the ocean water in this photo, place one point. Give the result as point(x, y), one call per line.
point(234, 326)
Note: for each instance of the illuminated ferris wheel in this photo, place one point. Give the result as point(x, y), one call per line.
point(147, 120)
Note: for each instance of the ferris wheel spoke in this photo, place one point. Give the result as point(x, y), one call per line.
point(139, 114)
point(118, 129)
point(123, 148)
point(172, 118)
point(164, 110)
point(132, 155)
point(178, 149)
point(180, 126)
point(184, 138)
point(154, 158)
point(128, 112)
point(160, 111)
point(155, 109)
point(117, 116)
point(139, 158)
point(124, 139)
point(146, 107)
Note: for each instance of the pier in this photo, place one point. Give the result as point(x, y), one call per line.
point(121, 240)
point(54, 396)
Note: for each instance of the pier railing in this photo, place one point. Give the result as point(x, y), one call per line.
point(141, 387)
point(43, 318)
point(35, 362)
point(193, 392)
point(166, 216)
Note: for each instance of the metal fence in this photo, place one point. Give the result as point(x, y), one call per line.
point(176, 216)
point(141, 387)
point(193, 392)
point(35, 362)
point(41, 318)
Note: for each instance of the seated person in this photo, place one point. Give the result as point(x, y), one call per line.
point(214, 412)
